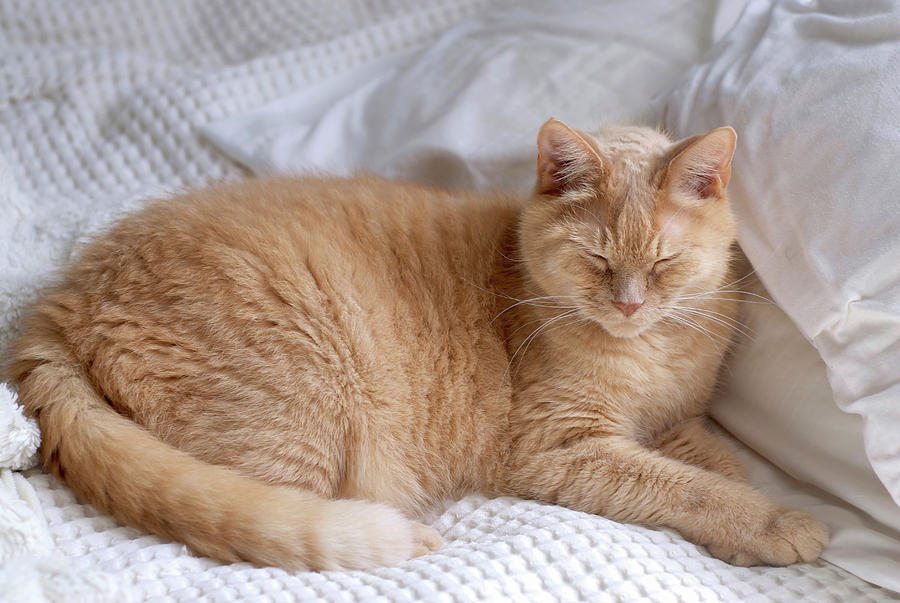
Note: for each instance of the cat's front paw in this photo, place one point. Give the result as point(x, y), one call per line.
point(794, 536)
point(790, 536)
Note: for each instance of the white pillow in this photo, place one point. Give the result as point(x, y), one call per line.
point(777, 400)
point(813, 90)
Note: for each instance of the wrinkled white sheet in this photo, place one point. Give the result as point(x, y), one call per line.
point(465, 111)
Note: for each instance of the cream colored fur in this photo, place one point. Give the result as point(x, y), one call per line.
point(289, 371)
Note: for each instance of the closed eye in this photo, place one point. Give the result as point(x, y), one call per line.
point(661, 263)
point(599, 259)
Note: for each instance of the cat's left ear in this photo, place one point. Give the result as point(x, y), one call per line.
point(700, 172)
point(566, 158)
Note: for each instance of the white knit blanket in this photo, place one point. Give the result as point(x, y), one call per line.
point(100, 107)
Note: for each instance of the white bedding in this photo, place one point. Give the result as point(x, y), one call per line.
point(102, 105)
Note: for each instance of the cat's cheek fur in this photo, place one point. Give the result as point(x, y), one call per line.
point(562, 273)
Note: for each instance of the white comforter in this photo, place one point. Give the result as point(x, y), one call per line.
point(103, 105)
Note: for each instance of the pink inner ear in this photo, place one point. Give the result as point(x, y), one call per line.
point(699, 186)
point(703, 185)
point(549, 171)
point(563, 155)
point(702, 170)
point(549, 144)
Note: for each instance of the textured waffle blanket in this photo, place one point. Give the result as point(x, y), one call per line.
point(101, 105)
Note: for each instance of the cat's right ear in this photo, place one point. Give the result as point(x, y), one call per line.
point(566, 159)
point(701, 170)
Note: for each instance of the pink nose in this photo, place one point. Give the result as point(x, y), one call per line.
point(628, 308)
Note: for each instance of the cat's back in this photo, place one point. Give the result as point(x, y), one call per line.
point(235, 321)
point(368, 238)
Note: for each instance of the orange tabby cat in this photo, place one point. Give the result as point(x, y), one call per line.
point(285, 370)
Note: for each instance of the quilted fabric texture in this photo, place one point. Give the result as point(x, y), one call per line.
point(100, 106)
point(500, 549)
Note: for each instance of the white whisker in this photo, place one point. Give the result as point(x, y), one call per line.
point(734, 299)
point(596, 217)
point(705, 295)
point(531, 337)
point(539, 302)
point(689, 321)
point(726, 321)
point(516, 299)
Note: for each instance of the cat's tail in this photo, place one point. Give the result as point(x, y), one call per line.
point(123, 469)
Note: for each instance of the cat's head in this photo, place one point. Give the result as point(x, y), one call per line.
point(625, 222)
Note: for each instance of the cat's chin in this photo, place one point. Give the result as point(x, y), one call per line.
point(625, 330)
point(622, 328)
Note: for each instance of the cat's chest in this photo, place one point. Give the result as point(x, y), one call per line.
point(637, 376)
point(646, 386)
